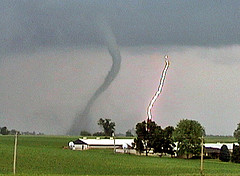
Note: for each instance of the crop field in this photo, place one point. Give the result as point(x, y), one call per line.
point(45, 155)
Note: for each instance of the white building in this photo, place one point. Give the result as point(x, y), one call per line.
point(83, 144)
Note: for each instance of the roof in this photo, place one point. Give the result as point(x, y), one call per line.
point(106, 142)
point(78, 141)
point(219, 145)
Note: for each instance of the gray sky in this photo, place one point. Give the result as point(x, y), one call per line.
point(53, 59)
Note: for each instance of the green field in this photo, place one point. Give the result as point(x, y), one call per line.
point(44, 155)
point(221, 139)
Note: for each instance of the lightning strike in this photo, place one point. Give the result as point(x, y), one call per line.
point(163, 76)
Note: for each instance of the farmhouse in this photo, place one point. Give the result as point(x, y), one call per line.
point(83, 144)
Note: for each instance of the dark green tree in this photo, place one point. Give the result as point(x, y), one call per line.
point(163, 141)
point(224, 154)
point(139, 145)
point(4, 131)
point(13, 132)
point(169, 145)
point(236, 133)
point(141, 139)
point(107, 126)
point(145, 132)
point(152, 136)
point(85, 133)
point(236, 154)
point(158, 140)
point(129, 133)
point(99, 134)
point(188, 134)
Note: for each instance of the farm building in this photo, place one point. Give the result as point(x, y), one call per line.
point(83, 144)
point(213, 150)
point(78, 145)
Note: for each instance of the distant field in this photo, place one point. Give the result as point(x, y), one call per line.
point(44, 155)
point(221, 139)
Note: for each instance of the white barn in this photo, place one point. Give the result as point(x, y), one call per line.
point(83, 144)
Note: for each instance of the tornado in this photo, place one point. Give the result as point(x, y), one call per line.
point(82, 120)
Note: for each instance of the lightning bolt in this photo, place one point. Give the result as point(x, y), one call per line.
point(149, 114)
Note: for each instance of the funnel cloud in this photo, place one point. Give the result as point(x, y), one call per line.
point(82, 120)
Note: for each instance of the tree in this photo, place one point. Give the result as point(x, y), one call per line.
point(151, 136)
point(145, 133)
point(129, 133)
point(158, 141)
point(139, 145)
point(141, 136)
point(169, 145)
point(236, 133)
point(13, 132)
point(99, 134)
point(4, 131)
point(85, 133)
point(187, 135)
point(107, 126)
point(163, 141)
point(224, 154)
point(236, 154)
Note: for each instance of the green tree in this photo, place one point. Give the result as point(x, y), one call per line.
point(187, 135)
point(13, 132)
point(141, 139)
point(107, 126)
point(151, 136)
point(236, 133)
point(158, 140)
point(163, 141)
point(169, 145)
point(99, 134)
point(224, 154)
point(4, 131)
point(236, 154)
point(85, 133)
point(129, 133)
point(139, 145)
point(145, 133)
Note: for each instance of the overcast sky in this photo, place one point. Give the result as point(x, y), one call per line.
point(53, 58)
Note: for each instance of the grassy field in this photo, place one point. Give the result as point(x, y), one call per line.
point(221, 139)
point(44, 155)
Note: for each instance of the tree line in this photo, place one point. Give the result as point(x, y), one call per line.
point(5, 131)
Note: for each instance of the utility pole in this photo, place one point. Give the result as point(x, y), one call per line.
point(201, 168)
point(15, 154)
point(114, 149)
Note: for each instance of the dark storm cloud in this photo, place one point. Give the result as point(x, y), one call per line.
point(32, 24)
point(52, 69)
